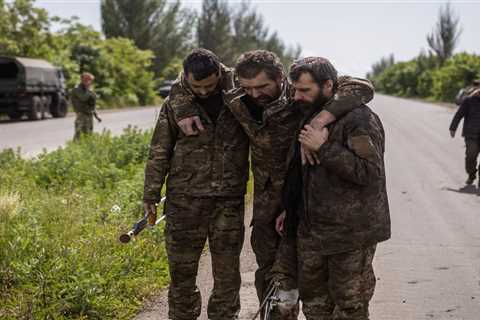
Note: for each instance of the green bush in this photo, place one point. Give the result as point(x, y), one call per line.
point(421, 77)
point(60, 217)
point(458, 72)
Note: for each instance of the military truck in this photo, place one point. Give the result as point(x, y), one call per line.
point(31, 87)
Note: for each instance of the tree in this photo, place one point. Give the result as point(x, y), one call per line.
point(24, 29)
point(155, 25)
point(229, 32)
point(444, 38)
point(381, 65)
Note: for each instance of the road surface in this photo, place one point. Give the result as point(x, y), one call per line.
point(33, 136)
point(430, 269)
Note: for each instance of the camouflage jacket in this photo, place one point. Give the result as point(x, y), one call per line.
point(344, 198)
point(184, 97)
point(214, 163)
point(271, 139)
point(83, 100)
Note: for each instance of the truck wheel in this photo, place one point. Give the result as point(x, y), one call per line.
point(60, 109)
point(15, 114)
point(35, 111)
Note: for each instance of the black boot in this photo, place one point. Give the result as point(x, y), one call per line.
point(470, 179)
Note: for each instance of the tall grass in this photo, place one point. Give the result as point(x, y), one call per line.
point(60, 217)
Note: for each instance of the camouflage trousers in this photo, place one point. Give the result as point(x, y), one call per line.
point(190, 221)
point(83, 125)
point(265, 239)
point(472, 150)
point(337, 286)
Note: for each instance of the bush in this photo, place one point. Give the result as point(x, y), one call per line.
point(421, 77)
point(457, 73)
point(60, 217)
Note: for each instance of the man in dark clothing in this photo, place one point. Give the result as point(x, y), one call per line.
point(336, 210)
point(470, 112)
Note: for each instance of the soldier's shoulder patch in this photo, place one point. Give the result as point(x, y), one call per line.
point(362, 145)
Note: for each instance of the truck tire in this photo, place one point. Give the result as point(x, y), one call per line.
point(15, 114)
point(35, 111)
point(59, 107)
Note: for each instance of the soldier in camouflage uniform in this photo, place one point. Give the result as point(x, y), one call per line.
point(337, 210)
point(262, 104)
point(207, 176)
point(83, 101)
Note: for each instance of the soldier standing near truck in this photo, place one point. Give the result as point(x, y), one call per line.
point(84, 105)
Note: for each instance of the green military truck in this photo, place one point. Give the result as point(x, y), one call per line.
point(31, 87)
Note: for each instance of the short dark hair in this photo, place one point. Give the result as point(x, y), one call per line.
point(319, 68)
point(251, 63)
point(201, 63)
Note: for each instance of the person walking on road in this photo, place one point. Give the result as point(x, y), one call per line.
point(84, 104)
point(469, 111)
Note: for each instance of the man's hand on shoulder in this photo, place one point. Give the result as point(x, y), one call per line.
point(311, 140)
point(191, 126)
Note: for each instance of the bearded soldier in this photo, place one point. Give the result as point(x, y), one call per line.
point(337, 209)
point(207, 176)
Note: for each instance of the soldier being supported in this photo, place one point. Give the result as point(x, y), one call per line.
point(337, 209)
point(83, 101)
point(206, 184)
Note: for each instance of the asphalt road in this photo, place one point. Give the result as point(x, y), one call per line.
point(430, 269)
point(34, 136)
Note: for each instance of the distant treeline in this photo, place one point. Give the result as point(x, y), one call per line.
point(435, 75)
point(142, 42)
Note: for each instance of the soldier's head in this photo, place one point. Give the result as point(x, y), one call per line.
point(314, 80)
point(202, 72)
point(87, 79)
point(261, 75)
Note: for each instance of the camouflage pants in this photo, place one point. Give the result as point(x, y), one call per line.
point(265, 239)
point(83, 125)
point(472, 150)
point(337, 286)
point(190, 222)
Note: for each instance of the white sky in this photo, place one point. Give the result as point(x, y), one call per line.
point(352, 34)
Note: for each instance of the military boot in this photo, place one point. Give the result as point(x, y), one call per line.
point(470, 179)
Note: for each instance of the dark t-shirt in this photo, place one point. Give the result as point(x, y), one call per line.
point(212, 105)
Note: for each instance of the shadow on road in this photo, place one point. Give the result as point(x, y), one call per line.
point(466, 189)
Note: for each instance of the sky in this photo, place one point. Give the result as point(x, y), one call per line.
point(352, 34)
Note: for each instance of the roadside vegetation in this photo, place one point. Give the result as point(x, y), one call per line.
point(60, 218)
point(437, 74)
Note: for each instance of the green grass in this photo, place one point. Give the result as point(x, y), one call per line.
point(60, 217)
point(60, 257)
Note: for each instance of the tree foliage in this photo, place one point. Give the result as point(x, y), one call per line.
point(444, 39)
point(230, 31)
point(122, 71)
point(157, 25)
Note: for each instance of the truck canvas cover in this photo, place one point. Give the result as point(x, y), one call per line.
point(31, 75)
